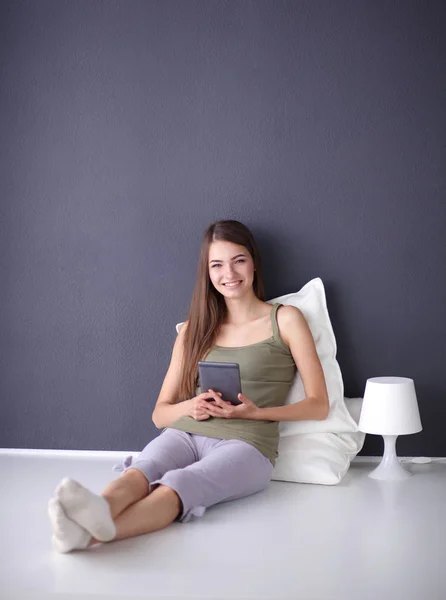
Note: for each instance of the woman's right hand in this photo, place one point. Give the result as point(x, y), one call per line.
point(198, 406)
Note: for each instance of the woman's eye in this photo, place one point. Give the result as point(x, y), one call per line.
point(239, 260)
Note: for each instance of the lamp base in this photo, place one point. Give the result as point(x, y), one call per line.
point(390, 467)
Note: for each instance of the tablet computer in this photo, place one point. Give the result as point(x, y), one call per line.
point(221, 377)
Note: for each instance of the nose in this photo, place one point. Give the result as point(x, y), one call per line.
point(229, 271)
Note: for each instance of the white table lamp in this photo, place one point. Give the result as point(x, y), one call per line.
point(390, 409)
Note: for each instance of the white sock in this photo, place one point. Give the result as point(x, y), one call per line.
point(67, 535)
point(90, 511)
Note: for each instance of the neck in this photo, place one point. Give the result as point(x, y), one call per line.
point(243, 310)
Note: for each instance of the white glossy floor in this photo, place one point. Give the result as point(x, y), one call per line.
point(361, 540)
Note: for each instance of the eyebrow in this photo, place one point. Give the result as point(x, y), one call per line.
point(216, 260)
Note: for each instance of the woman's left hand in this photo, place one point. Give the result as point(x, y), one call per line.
point(225, 410)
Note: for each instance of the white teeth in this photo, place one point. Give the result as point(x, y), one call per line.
point(231, 284)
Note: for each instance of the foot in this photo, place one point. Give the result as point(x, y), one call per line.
point(67, 535)
point(90, 511)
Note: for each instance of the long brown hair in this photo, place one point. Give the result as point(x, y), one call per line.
point(208, 308)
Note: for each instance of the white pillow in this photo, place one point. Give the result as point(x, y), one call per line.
point(319, 458)
point(311, 301)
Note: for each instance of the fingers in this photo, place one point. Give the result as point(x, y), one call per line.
point(218, 412)
point(208, 394)
point(220, 408)
point(217, 396)
point(203, 417)
point(245, 400)
point(211, 404)
point(201, 413)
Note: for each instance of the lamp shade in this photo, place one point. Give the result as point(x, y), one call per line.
point(390, 407)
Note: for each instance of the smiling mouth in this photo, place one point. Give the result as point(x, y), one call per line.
point(233, 284)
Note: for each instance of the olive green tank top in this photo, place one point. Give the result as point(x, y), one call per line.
point(267, 371)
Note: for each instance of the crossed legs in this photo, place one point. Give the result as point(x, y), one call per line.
point(204, 470)
point(124, 509)
point(134, 510)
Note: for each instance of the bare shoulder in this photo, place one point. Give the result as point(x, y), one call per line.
point(183, 327)
point(179, 340)
point(289, 314)
point(289, 320)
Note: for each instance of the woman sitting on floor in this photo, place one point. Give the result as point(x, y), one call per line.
point(210, 450)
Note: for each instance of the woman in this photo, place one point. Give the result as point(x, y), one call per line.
point(209, 450)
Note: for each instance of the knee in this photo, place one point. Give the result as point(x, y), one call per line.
point(135, 477)
point(170, 494)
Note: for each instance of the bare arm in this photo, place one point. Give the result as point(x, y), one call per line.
point(168, 408)
point(310, 408)
point(315, 406)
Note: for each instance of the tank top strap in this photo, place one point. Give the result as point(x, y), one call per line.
point(274, 322)
point(276, 334)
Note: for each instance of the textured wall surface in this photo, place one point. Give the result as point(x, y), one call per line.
point(126, 127)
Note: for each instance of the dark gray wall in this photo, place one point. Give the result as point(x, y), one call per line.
point(126, 127)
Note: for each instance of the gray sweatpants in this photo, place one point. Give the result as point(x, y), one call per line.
point(202, 470)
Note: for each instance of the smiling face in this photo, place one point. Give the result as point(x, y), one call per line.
point(231, 268)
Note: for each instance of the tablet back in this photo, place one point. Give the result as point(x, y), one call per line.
point(221, 377)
